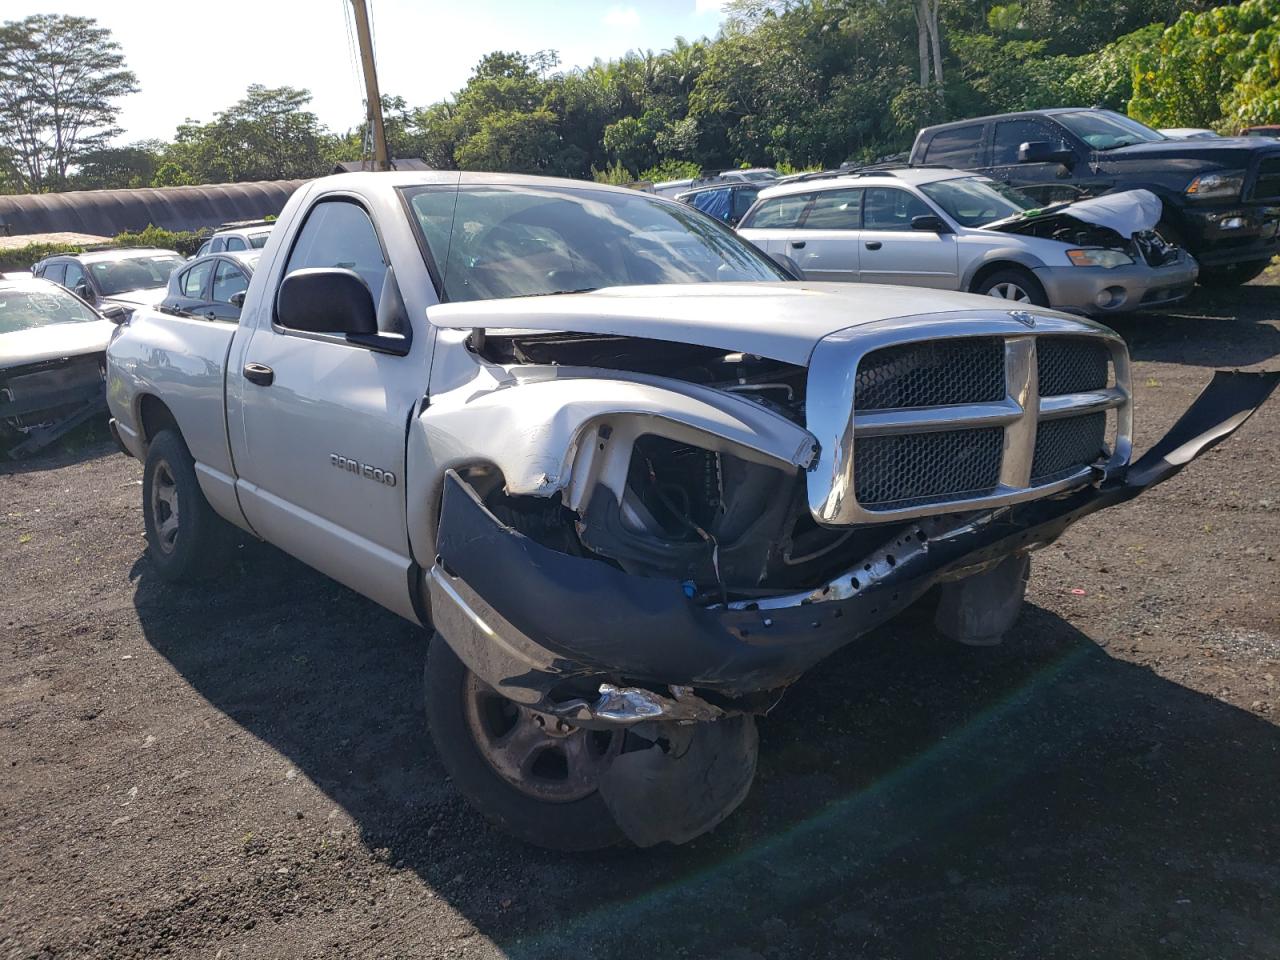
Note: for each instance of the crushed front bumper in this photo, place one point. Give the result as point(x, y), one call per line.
point(1101, 290)
point(528, 619)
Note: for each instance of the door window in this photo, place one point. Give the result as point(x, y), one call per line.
point(1012, 134)
point(75, 277)
point(715, 203)
point(338, 233)
point(743, 198)
point(217, 244)
point(235, 243)
point(958, 147)
point(887, 208)
point(193, 281)
point(228, 280)
point(835, 210)
point(781, 213)
point(57, 272)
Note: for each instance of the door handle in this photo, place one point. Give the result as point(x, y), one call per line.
point(210, 315)
point(873, 244)
point(259, 373)
point(798, 244)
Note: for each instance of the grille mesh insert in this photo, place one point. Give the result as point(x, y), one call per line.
point(1067, 445)
point(893, 472)
point(1071, 365)
point(932, 373)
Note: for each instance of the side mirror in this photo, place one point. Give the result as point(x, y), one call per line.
point(82, 291)
point(931, 222)
point(116, 313)
point(326, 300)
point(237, 300)
point(1045, 151)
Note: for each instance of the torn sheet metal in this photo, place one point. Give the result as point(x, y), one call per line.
point(1128, 213)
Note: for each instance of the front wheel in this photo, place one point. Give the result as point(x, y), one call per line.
point(529, 773)
point(185, 538)
point(1013, 284)
point(1232, 275)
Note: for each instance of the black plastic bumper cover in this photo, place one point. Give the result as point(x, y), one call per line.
point(592, 618)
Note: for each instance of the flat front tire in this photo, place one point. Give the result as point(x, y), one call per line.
point(530, 774)
point(186, 540)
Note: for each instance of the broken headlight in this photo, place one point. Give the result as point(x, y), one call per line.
point(1096, 257)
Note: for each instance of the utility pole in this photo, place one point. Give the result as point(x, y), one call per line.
point(381, 161)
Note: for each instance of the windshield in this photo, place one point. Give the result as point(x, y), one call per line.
point(28, 307)
point(493, 242)
point(258, 240)
point(135, 273)
point(975, 201)
point(1104, 130)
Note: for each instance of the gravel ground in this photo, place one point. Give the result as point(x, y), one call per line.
point(240, 769)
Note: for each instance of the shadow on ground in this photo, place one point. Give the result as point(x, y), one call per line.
point(914, 798)
point(1213, 328)
point(86, 442)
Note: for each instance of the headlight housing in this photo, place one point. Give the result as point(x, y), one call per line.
point(1099, 258)
point(1222, 185)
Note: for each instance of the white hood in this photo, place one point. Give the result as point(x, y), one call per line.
point(782, 321)
point(1133, 211)
point(139, 298)
point(54, 341)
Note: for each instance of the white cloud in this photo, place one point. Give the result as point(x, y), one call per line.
point(622, 17)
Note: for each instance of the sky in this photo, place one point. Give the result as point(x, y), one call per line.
point(193, 60)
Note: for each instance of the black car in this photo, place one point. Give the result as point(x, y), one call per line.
point(724, 201)
point(1221, 196)
point(211, 287)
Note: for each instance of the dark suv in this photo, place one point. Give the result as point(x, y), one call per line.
point(1221, 196)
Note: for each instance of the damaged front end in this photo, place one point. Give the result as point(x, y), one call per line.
point(672, 573)
point(42, 401)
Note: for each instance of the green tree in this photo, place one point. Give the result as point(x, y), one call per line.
point(133, 165)
point(59, 79)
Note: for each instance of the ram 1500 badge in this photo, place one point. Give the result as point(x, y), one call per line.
point(646, 480)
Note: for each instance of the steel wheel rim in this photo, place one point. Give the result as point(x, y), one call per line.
point(1009, 291)
point(542, 757)
point(164, 506)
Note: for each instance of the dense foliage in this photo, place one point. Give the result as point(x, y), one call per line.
point(789, 83)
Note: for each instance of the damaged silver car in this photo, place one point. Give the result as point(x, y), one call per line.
point(52, 364)
point(636, 479)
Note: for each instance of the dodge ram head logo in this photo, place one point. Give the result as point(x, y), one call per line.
point(366, 470)
point(1024, 318)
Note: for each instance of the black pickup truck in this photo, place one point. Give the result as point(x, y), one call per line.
point(1221, 196)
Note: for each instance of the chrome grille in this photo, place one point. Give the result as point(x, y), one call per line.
point(932, 373)
point(916, 468)
point(935, 430)
point(1071, 365)
point(1064, 446)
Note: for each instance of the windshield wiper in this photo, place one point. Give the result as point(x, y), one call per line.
point(556, 293)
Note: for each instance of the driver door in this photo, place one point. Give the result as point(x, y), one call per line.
point(316, 410)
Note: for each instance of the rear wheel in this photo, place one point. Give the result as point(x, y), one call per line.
point(186, 540)
point(533, 775)
point(1014, 284)
point(1232, 275)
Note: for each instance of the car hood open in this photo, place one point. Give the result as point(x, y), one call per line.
point(54, 341)
point(782, 321)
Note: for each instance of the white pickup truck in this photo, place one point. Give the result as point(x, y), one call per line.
point(636, 476)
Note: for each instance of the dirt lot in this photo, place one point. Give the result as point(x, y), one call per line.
point(240, 769)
